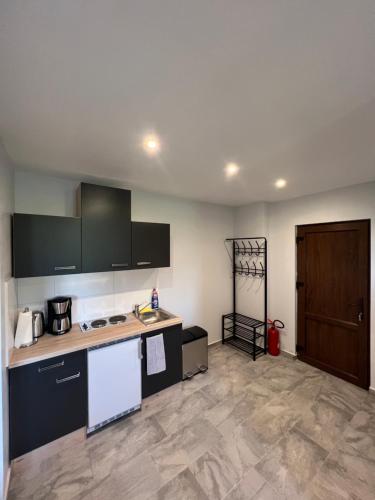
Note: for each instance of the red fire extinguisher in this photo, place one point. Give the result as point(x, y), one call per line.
point(274, 336)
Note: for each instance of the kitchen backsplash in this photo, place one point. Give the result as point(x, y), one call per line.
point(95, 294)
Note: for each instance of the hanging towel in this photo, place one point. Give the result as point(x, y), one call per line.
point(155, 354)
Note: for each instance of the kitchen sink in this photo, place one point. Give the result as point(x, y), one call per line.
point(151, 317)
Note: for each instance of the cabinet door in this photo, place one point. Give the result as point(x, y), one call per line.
point(45, 245)
point(47, 400)
point(150, 245)
point(173, 357)
point(106, 228)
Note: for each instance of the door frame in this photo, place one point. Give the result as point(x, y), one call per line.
point(367, 301)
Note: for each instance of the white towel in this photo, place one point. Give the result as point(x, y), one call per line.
point(155, 354)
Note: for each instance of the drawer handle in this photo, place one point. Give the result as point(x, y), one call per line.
point(143, 263)
point(67, 379)
point(65, 268)
point(50, 367)
point(121, 265)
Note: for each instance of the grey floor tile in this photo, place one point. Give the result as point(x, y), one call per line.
point(248, 486)
point(177, 451)
point(291, 464)
point(323, 423)
point(182, 487)
point(346, 474)
point(215, 472)
point(179, 413)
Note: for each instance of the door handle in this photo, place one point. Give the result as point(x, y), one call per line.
point(67, 379)
point(50, 367)
point(65, 268)
point(140, 355)
point(143, 263)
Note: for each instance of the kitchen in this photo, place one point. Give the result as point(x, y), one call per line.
point(186, 291)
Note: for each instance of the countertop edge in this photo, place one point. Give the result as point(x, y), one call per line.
point(32, 354)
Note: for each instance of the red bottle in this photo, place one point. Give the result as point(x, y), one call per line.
point(273, 337)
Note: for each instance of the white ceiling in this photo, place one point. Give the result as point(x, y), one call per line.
point(285, 88)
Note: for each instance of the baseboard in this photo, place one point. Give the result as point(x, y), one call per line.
point(213, 344)
point(288, 354)
point(371, 390)
point(7, 482)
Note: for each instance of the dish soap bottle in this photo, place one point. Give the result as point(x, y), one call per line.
point(154, 299)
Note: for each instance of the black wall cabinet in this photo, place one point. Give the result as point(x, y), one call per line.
point(150, 245)
point(45, 245)
point(47, 400)
point(106, 228)
point(173, 357)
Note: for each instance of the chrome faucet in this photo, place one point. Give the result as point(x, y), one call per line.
point(138, 308)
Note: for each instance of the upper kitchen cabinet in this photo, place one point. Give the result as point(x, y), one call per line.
point(106, 228)
point(45, 245)
point(150, 245)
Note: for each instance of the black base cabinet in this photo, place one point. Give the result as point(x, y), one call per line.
point(173, 357)
point(47, 400)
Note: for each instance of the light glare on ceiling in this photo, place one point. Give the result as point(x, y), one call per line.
point(280, 183)
point(151, 144)
point(231, 169)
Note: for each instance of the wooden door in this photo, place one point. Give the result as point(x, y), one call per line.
point(333, 283)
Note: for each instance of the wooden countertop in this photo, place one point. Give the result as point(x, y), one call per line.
point(49, 346)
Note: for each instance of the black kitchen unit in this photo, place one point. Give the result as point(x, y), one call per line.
point(150, 245)
point(106, 228)
point(47, 400)
point(45, 245)
point(173, 358)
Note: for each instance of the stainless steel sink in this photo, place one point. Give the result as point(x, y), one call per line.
point(151, 317)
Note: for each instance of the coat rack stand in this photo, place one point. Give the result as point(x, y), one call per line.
point(249, 259)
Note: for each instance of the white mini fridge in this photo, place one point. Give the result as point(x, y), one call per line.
point(114, 381)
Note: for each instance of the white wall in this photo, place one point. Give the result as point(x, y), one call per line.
point(280, 222)
point(6, 340)
point(196, 286)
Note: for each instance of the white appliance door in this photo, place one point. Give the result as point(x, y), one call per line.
point(114, 380)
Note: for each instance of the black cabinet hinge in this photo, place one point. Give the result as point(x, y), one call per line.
point(299, 284)
point(299, 239)
point(299, 348)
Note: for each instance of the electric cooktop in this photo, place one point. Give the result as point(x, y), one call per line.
point(96, 324)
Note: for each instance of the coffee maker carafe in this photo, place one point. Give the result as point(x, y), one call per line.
point(59, 315)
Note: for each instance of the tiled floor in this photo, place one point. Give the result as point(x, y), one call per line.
point(273, 429)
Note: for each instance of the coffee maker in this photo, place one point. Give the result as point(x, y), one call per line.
point(59, 315)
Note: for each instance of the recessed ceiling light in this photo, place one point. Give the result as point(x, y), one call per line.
point(151, 144)
point(280, 183)
point(231, 169)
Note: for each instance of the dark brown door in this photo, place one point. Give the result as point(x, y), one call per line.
point(333, 275)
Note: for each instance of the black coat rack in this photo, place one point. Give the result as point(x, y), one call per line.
point(249, 258)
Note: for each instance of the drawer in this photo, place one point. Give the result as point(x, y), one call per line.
point(48, 399)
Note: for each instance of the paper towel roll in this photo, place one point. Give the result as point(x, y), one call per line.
point(24, 332)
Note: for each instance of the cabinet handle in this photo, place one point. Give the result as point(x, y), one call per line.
point(121, 265)
point(65, 268)
point(50, 367)
point(66, 379)
point(140, 355)
point(143, 263)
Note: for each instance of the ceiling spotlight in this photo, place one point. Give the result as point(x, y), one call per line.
point(151, 144)
point(231, 169)
point(280, 183)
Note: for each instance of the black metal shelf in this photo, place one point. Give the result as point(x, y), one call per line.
point(246, 346)
point(239, 330)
